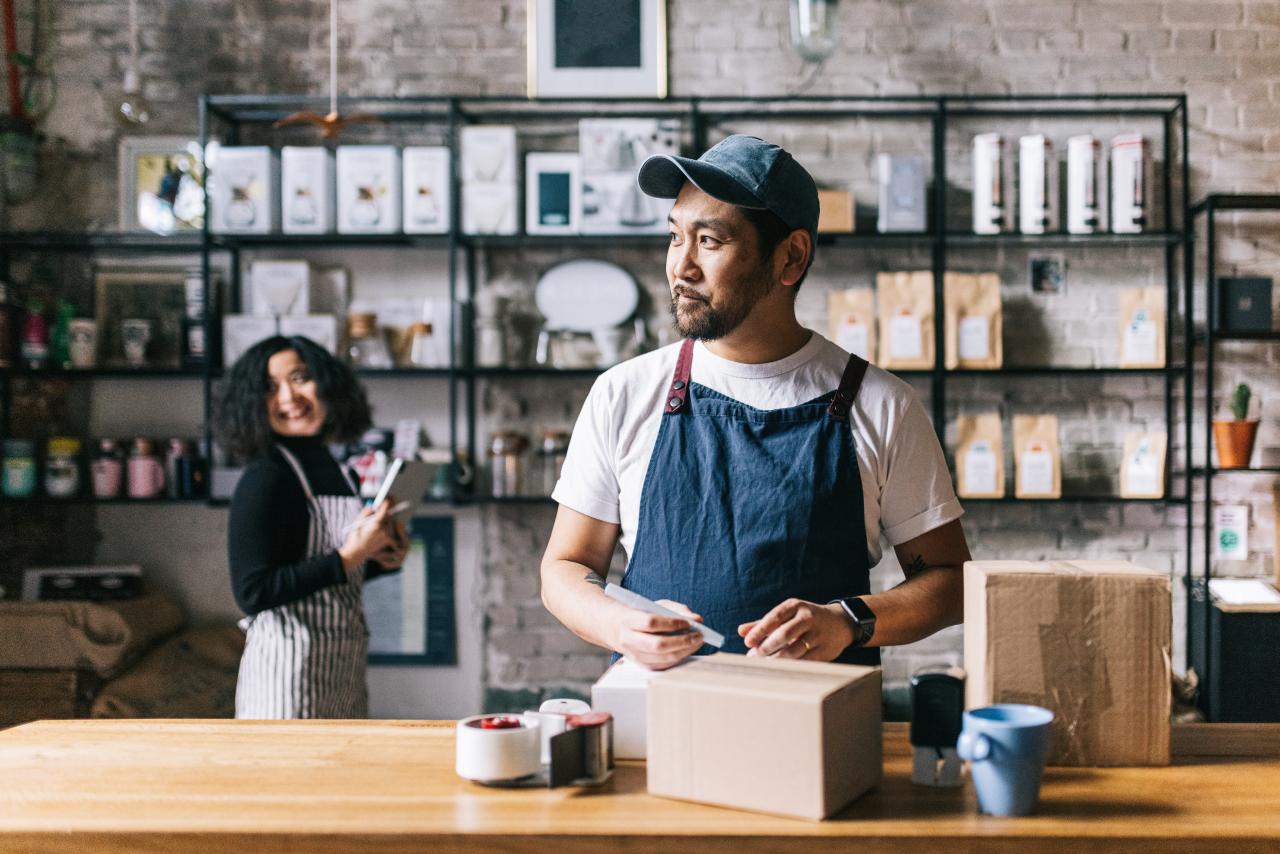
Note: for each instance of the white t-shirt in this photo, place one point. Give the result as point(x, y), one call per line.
point(906, 487)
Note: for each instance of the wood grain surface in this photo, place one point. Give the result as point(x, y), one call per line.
point(238, 786)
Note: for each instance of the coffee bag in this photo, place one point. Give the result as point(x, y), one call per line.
point(905, 302)
point(1142, 328)
point(851, 319)
point(974, 325)
point(979, 456)
point(1037, 457)
point(1142, 469)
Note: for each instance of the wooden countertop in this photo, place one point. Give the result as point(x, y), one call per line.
point(321, 786)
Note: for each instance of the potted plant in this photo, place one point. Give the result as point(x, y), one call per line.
point(1235, 437)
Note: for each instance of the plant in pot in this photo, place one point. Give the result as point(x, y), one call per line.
point(1235, 437)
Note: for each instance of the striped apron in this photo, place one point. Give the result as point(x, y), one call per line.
point(306, 659)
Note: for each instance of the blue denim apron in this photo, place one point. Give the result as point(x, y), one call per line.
point(743, 508)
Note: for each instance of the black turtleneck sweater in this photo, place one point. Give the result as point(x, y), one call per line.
point(267, 532)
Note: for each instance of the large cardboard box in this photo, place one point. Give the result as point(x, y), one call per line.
point(796, 738)
point(1089, 639)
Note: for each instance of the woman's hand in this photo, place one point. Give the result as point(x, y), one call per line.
point(392, 557)
point(371, 535)
point(657, 642)
point(799, 629)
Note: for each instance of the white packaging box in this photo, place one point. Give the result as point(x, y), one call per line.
point(1037, 185)
point(902, 194)
point(991, 209)
point(368, 189)
point(1129, 184)
point(623, 692)
point(279, 288)
point(490, 209)
point(243, 185)
point(306, 190)
point(489, 154)
point(1084, 201)
point(611, 152)
point(427, 198)
point(320, 328)
point(242, 331)
point(552, 193)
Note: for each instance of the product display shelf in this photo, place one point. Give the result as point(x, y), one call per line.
point(44, 501)
point(1200, 636)
point(96, 241)
point(102, 373)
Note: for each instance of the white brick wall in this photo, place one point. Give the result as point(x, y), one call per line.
point(1224, 53)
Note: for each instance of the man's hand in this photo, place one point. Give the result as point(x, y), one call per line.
point(658, 642)
point(799, 629)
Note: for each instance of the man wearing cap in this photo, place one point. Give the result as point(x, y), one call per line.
point(750, 470)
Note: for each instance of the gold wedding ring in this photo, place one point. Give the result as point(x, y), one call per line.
point(807, 649)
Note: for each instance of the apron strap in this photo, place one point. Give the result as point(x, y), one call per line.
point(679, 390)
point(850, 382)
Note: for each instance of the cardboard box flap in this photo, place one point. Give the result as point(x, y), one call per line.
point(1068, 567)
point(803, 680)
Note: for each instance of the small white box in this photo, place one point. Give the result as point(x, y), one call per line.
point(991, 213)
point(320, 328)
point(1129, 184)
point(243, 184)
point(489, 154)
point(242, 331)
point(611, 152)
point(330, 291)
point(307, 190)
point(902, 194)
point(490, 209)
point(368, 189)
point(279, 287)
point(623, 692)
point(1037, 185)
point(427, 203)
point(552, 193)
point(1084, 201)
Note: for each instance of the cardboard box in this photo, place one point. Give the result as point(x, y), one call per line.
point(243, 183)
point(427, 200)
point(796, 738)
point(306, 190)
point(369, 189)
point(279, 287)
point(623, 692)
point(1089, 639)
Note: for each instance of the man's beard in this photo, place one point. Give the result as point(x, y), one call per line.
point(705, 323)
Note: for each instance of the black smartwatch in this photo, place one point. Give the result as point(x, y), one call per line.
point(862, 617)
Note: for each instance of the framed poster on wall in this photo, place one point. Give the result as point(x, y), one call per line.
point(597, 48)
point(410, 612)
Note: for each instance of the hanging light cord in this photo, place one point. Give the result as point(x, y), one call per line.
point(133, 40)
point(333, 56)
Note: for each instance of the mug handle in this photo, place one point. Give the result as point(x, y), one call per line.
point(973, 746)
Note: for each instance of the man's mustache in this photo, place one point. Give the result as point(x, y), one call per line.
point(682, 291)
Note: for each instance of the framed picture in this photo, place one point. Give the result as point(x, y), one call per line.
point(161, 184)
point(139, 315)
point(552, 193)
point(410, 612)
point(1048, 273)
point(591, 48)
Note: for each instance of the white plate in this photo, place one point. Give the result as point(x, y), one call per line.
point(585, 295)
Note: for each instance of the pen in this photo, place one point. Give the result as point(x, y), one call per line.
point(360, 523)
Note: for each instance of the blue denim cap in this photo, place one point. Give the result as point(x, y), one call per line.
point(744, 171)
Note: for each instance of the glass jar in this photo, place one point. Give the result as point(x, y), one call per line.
point(551, 454)
point(19, 468)
point(424, 350)
point(35, 337)
point(507, 448)
point(146, 471)
point(107, 470)
point(366, 349)
point(62, 467)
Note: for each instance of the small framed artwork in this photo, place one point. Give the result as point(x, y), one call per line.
point(1048, 273)
point(552, 193)
point(411, 612)
point(593, 48)
point(139, 315)
point(161, 184)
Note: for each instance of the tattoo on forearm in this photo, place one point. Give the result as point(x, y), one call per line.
point(916, 566)
point(592, 578)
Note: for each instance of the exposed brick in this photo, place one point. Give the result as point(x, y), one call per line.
point(1201, 12)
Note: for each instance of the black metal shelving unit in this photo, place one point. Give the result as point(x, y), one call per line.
point(226, 118)
point(1199, 604)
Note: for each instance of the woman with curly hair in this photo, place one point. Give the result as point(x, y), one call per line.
point(297, 565)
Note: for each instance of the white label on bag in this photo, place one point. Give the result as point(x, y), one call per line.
point(1035, 470)
point(979, 469)
point(1142, 472)
point(1140, 341)
point(975, 339)
point(1231, 531)
point(852, 336)
point(905, 337)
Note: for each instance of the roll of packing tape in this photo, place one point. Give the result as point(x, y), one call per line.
point(498, 748)
point(561, 706)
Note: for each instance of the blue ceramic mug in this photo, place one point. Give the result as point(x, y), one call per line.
point(1006, 746)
